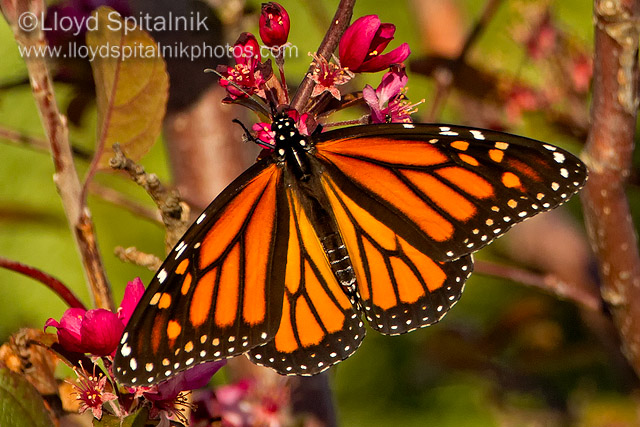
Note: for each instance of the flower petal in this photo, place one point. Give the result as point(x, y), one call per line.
point(371, 98)
point(383, 37)
point(191, 379)
point(392, 84)
point(246, 50)
point(69, 329)
point(132, 296)
point(51, 322)
point(356, 41)
point(380, 62)
point(100, 332)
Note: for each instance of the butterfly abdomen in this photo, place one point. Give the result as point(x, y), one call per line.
point(327, 231)
point(339, 259)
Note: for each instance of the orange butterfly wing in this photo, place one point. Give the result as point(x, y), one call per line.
point(413, 201)
point(219, 292)
point(320, 325)
point(447, 190)
point(399, 287)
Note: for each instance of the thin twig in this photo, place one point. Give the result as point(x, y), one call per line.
point(340, 22)
point(102, 133)
point(117, 198)
point(174, 212)
point(40, 144)
point(134, 256)
point(49, 281)
point(490, 9)
point(55, 125)
point(608, 154)
point(22, 139)
point(546, 282)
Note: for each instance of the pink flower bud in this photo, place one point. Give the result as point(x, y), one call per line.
point(362, 44)
point(274, 24)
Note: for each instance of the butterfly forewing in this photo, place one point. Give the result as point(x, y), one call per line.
point(447, 190)
point(219, 292)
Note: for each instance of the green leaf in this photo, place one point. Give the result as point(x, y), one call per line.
point(20, 403)
point(132, 86)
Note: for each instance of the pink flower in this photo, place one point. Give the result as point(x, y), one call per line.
point(168, 398)
point(191, 379)
point(388, 103)
point(248, 403)
point(91, 392)
point(96, 331)
point(100, 332)
point(274, 24)
point(246, 50)
point(362, 44)
point(69, 335)
point(543, 40)
point(245, 78)
point(581, 73)
point(519, 100)
point(328, 77)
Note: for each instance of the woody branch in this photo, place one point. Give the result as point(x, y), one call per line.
point(608, 155)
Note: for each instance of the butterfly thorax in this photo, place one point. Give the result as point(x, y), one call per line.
point(291, 146)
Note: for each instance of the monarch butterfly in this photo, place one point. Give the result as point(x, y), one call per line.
point(377, 221)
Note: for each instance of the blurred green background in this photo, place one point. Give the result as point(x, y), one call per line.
point(478, 367)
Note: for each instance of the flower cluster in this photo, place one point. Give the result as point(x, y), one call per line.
point(361, 50)
point(97, 332)
point(248, 402)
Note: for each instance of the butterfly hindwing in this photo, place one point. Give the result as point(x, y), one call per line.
point(399, 288)
point(219, 292)
point(447, 190)
point(320, 325)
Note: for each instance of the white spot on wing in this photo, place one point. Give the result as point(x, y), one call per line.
point(201, 218)
point(179, 254)
point(558, 157)
point(477, 134)
point(125, 350)
point(446, 130)
point(162, 275)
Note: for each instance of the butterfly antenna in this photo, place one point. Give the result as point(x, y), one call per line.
point(255, 104)
point(249, 137)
